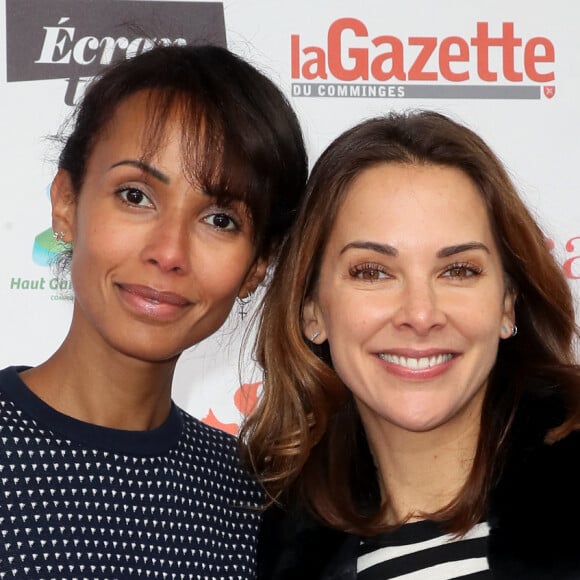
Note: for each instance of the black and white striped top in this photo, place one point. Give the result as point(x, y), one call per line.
point(423, 551)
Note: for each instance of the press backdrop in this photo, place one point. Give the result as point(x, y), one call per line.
point(510, 70)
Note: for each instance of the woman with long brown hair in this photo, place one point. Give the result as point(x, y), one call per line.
point(421, 396)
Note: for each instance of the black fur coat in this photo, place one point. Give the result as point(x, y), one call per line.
point(534, 516)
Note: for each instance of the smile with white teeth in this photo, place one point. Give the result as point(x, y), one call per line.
point(416, 364)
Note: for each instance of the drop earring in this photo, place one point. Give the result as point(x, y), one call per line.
point(243, 304)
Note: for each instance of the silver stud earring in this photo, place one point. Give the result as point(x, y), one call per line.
point(243, 304)
point(59, 236)
point(314, 336)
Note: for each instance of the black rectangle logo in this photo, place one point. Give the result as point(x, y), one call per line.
point(58, 39)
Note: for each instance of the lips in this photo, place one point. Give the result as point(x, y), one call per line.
point(155, 296)
point(150, 304)
point(416, 363)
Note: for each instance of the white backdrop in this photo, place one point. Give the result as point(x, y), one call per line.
point(510, 70)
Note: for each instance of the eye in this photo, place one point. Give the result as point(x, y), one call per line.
point(461, 270)
point(134, 197)
point(222, 221)
point(368, 271)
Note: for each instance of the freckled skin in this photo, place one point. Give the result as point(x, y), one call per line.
point(411, 268)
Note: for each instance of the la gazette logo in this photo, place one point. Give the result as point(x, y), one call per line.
point(483, 64)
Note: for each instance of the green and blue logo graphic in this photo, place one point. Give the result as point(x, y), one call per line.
point(46, 248)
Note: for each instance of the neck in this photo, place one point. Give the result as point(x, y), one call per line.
point(421, 472)
point(104, 388)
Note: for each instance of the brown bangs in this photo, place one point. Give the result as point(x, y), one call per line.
point(216, 157)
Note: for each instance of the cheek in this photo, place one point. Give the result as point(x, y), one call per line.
point(100, 249)
point(354, 316)
point(224, 271)
point(351, 325)
point(480, 320)
point(98, 233)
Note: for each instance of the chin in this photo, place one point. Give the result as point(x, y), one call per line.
point(420, 426)
point(421, 422)
point(151, 355)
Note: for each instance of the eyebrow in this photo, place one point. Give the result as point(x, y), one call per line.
point(389, 250)
point(459, 248)
point(374, 246)
point(144, 167)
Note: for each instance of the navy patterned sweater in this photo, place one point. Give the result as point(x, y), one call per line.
point(82, 501)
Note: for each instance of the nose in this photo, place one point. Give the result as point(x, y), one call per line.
point(419, 308)
point(168, 245)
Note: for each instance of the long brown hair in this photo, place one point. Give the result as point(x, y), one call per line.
point(305, 441)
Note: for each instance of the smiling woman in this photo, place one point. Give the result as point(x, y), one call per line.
point(176, 186)
point(421, 400)
point(198, 250)
point(412, 324)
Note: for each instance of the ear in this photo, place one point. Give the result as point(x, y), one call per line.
point(313, 325)
point(508, 320)
point(254, 277)
point(63, 206)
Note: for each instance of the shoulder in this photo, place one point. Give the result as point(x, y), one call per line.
point(531, 507)
point(14, 397)
point(207, 438)
point(216, 454)
point(293, 546)
point(10, 380)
